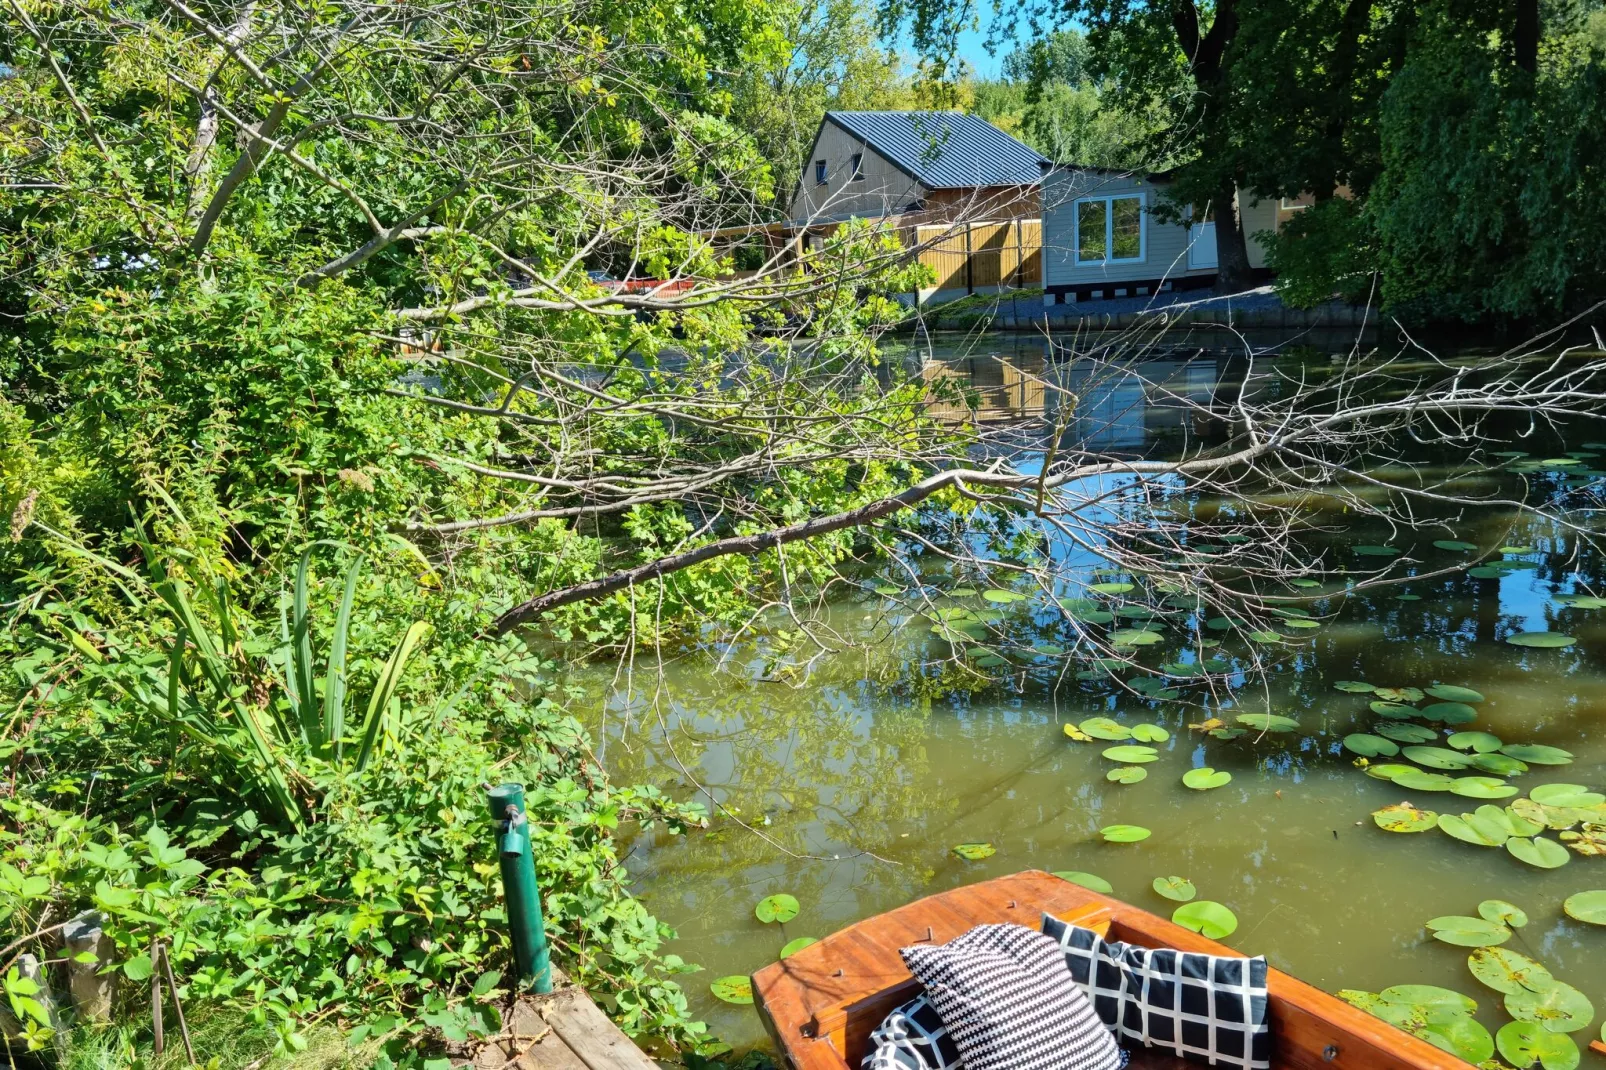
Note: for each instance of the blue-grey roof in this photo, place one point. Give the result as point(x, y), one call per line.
point(945, 149)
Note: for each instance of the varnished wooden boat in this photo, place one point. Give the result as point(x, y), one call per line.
point(821, 1003)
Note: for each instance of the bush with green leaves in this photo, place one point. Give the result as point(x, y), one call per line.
point(373, 899)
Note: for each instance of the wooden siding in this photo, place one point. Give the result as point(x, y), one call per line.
point(982, 256)
point(884, 190)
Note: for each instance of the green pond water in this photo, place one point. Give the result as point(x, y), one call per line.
point(846, 776)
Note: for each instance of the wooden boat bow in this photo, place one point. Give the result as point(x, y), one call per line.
point(820, 1004)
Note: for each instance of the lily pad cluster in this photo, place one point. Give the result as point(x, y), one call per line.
point(1576, 814)
point(1440, 1016)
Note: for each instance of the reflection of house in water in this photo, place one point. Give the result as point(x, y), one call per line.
point(1117, 409)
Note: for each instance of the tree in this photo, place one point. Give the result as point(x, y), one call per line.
point(832, 61)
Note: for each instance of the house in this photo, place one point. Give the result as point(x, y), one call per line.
point(1101, 239)
point(956, 187)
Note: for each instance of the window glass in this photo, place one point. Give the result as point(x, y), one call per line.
point(1126, 228)
point(1090, 230)
point(819, 171)
point(858, 166)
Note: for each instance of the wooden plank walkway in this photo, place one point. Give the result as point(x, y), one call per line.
point(562, 1031)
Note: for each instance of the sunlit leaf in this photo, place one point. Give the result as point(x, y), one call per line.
point(1207, 918)
point(1403, 817)
point(780, 908)
point(1127, 774)
point(735, 989)
point(1541, 640)
point(1505, 970)
point(1124, 833)
point(1180, 889)
point(1206, 778)
point(1267, 722)
point(1524, 1043)
point(1587, 906)
point(1132, 755)
point(1481, 742)
point(1086, 880)
point(1468, 932)
point(974, 852)
point(1105, 728)
point(1503, 912)
point(1538, 851)
point(1370, 746)
point(1558, 1007)
point(1453, 693)
point(1537, 753)
point(792, 947)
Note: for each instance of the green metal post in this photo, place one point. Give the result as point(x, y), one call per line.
point(519, 890)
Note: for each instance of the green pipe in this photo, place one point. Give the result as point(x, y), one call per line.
point(523, 898)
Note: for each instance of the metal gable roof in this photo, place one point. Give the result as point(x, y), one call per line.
point(945, 149)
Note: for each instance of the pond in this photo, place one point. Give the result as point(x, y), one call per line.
point(845, 777)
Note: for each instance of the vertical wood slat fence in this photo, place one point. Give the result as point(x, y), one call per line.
point(976, 256)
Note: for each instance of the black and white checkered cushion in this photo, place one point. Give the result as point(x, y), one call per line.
point(1206, 1007)
point(1009, 1002)
point(912, 1037)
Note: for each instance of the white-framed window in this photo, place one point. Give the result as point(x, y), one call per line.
point(1111, 230)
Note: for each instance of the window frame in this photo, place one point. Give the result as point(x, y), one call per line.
point(822, 173)
point(856, 167)
point(1108, 199)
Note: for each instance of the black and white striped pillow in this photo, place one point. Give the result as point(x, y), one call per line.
point(912, 1037)
point(1207, 1007)
point(1009, 1002)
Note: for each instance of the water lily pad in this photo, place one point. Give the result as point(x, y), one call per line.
point(1468, 932)
point(1124, 833)
point(974, 852)
point(1400, 694)
point(1302, 582)
point(1091, 881)
point(1077, 734)
point(1499, 764)
point(1206, 778)
point(1149, 733)
point(1180, 889)
point(1003, 598)
point(1558, 1007)
point(1132, 755)
point(1581, 601)
point(1391, 709)
point(1541, 640)
point(1265, 637)
point(1206, 917)
point(1537, 753)
point(1134, 637)
point(1370, 746)
point(1307, 625)
point(1437, 757)
point(1453, 693)
point(1355, 687)
point(1105, 728)
point(1503, 912)
point(1505, 970)
point(1417, 780)
point(1454, 544)
point(1267, 722)
point(734, 989)
point(1587, 906)
point(1048, 650)
point(1138, 612)
point(1524, 1043)
point(1403, 732)
point(779, 908)
point(1403, 817)
point(1482, 787)
point(1461, 1036)
point(1389, 770)
point(1445, 1001)
point(1462, 829)
point(1479, 742)
point(1486, 572)
point(1110, 588)
point(792, 947)
point(1538, 851)
point(1080, 609)
point(1375, 551)
point(1566, 795)
point(1127, 774)
point(1450, 712)
point(1408, 598)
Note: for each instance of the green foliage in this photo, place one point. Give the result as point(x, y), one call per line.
point(1325, 250)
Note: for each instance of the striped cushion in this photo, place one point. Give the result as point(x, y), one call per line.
point(1206, 1007)
point(1007, 999)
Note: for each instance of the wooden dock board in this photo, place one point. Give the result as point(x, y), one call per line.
point(562, 1031)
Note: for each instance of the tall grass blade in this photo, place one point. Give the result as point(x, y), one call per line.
point(304, 689)
point(385, 690)
point(334, 683)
